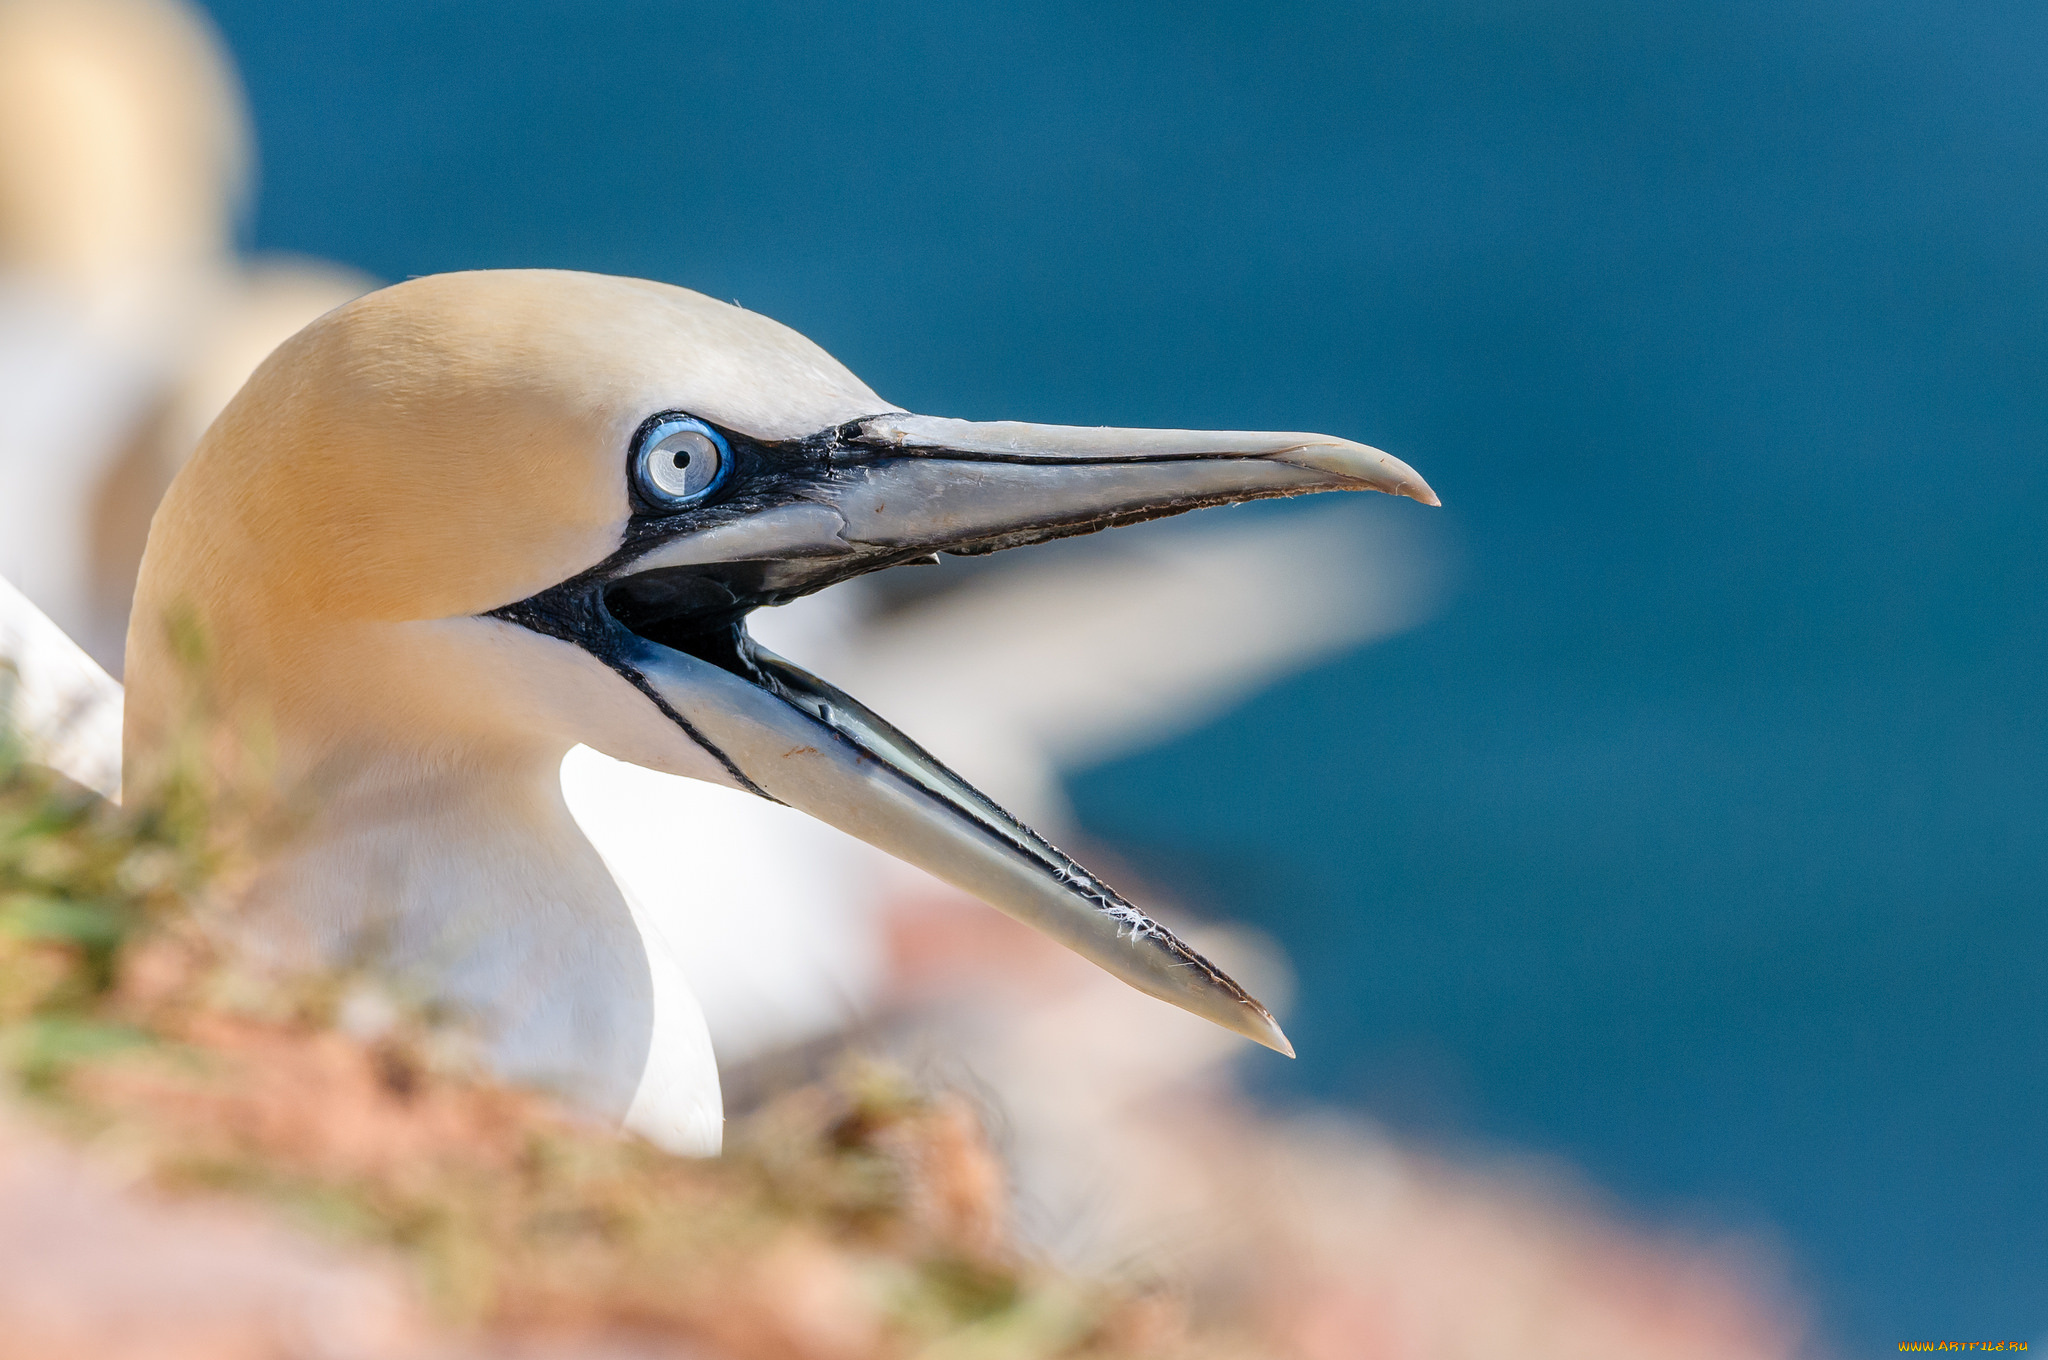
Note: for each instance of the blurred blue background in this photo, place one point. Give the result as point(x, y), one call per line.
point(1699, 841)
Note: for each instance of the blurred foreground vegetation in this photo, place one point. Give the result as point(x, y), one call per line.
point(853, 1218)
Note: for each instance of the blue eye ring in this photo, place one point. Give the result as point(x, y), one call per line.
point(679, 460)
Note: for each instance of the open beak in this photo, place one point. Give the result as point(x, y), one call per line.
point(668, 613)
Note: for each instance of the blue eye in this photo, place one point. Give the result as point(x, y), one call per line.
point(679, 461)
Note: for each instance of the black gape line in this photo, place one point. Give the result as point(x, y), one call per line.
point(574, 612)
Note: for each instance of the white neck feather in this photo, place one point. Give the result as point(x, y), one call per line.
point(475, 880)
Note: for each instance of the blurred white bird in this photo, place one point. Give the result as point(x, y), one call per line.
point(126, 321)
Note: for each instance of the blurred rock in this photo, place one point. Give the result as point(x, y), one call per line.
point(89, 1271)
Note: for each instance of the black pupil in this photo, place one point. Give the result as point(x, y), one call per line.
point(682, 458)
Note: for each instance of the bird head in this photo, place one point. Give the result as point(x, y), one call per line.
point(526, 509)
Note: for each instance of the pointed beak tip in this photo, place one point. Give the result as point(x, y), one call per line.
point(1360, 467)
point(1406, 480)
point(1265, 1031)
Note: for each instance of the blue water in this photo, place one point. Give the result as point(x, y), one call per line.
point(1702, 840)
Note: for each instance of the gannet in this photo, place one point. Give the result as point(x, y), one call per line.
point(460, 525)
